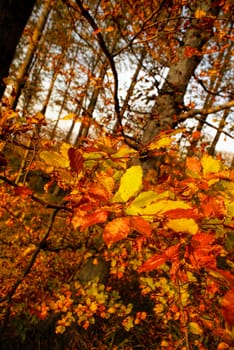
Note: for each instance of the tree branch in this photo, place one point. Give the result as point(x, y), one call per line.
point(107, 53)
point(205, 111)
point(35, 198)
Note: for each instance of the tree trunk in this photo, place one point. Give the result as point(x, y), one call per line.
point(23, 69)
point(13, 18)
point(170, 101)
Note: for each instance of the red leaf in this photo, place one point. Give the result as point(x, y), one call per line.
point(182, 213)
point(140, 225)
point(153, 263)
point(204, 251)
point(172, 254)
point(116, 230)
point(76, 159)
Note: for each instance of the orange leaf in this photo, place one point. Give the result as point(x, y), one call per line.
point(213, 206)
point(83, 221)
point(193, 164)
point(140, 225)
point(153, 263)
point(116, 230)
point(98, 192)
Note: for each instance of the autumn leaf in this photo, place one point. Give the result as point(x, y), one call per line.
point(76, 159)
point(116, 230)
point(213, 206)
point(203, 251)
point(193, 166)
point(156, 208)
point(98, 192)
point(140, 225)
point(81, 220)
point(182, 225)
point(54, 159)
point(182, 213)
point(210, 165)
point(130, 184)
point(164, 140)
point(195, 328)
point(155, 261)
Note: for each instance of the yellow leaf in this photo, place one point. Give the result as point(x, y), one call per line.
point(54, 159)
point(130, 184)
point(156, 208)
point(183, 225)
point(210, 165)
point(163, 142)
point(199, 13)
point(195, 328)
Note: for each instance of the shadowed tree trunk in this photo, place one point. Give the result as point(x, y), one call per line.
point(13, 18)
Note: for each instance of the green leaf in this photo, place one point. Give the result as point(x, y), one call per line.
point(54, 159)
point(130, 184)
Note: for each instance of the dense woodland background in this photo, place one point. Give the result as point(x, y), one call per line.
point(116, 121)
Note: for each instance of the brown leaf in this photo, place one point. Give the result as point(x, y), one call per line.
point(76, 159)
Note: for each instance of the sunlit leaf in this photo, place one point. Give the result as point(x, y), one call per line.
point(54, 159)
point(157, 208)
point(162, 142)
point(182, 225)
point(130, 184)
point(210, 165)
point(116, 230)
